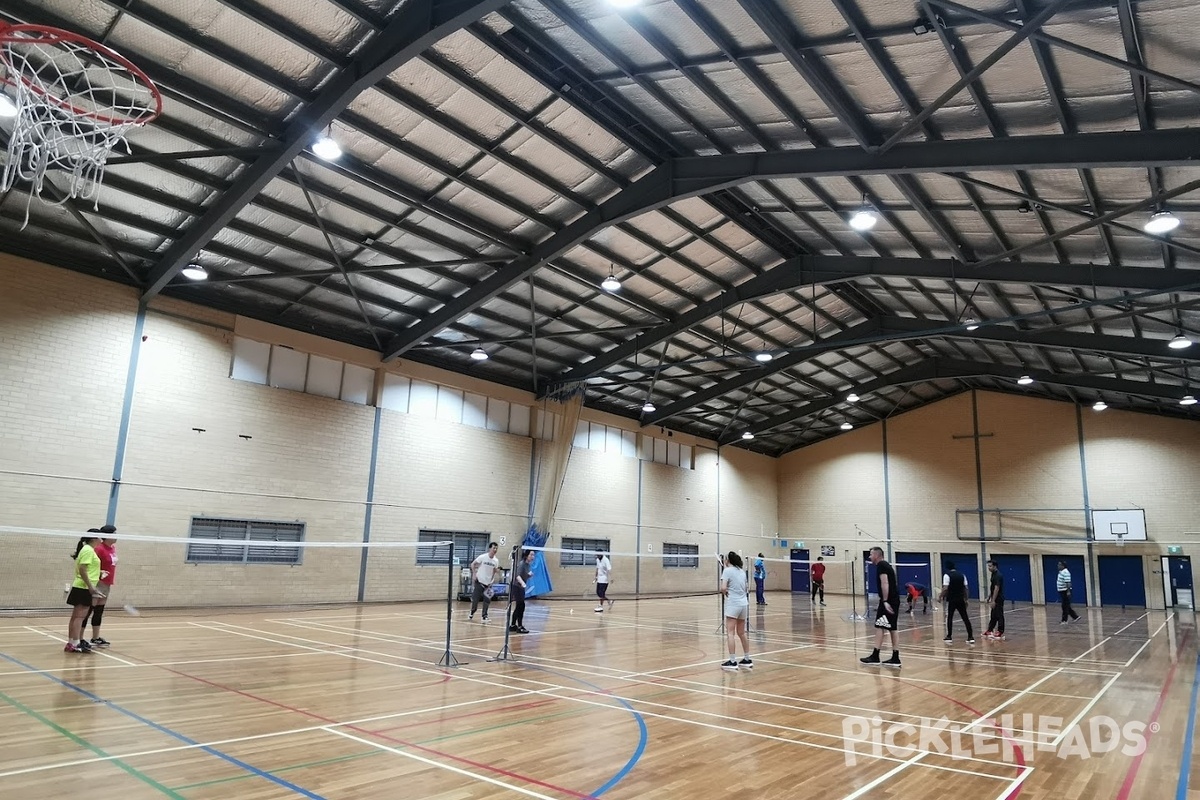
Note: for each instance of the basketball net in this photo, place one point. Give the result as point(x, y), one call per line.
point(75, 101)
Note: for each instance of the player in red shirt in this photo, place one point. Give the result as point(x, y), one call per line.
point(818, 579)
point(106, 550)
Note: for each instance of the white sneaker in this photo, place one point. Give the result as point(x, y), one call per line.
point(599, 609)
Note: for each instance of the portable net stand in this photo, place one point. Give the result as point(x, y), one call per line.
point(72, 101)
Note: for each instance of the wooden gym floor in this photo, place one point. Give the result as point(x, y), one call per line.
point(350, 703)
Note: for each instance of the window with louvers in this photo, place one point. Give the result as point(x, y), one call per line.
point(225, 541)
point(583, 551)
point(467, 545)
point(681, 555)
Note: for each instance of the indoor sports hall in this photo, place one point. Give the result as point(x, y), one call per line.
point(457, 399)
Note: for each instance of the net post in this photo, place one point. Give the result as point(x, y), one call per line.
point(448, 659)
point(720, 597)
point(505, 653)
point(854, 615)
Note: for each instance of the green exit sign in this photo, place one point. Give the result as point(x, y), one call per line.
point(1174, 551)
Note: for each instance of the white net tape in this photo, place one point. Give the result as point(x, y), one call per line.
point(75, 102)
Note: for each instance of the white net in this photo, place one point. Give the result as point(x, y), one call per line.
point(71, 102)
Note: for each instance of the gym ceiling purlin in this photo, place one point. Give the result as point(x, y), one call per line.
point(799, 200)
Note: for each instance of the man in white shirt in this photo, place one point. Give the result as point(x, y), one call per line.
point(484, 569)
point(603, 578)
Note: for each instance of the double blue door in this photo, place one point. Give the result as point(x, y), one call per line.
point(914, 568)
point(1050, 577)
point(1122, 581)
point(1018, 579)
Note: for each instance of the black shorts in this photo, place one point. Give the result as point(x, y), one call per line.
point(889, 622)
point(601, 590)
point(79, 597)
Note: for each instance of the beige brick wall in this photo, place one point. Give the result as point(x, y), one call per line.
point(65, 342)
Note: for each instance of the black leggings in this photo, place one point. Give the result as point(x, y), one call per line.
point(518, 615)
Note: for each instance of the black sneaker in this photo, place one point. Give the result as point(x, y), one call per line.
point(85, 646)
point(100, 642)
point(970, 641)
point(871, 659)
point(948, 640)
point(522, 629)
point(729, 665)
point(746, 663)
point(894, 662)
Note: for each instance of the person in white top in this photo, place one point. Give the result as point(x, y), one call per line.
point(484, 570)
point(603, 578)
point(737, 610)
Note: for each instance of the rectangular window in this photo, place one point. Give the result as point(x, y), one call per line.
point(466, 546)
point(681, 555)
point(582, 551)
point(229, 537)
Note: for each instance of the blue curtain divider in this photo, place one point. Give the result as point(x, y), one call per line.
point(540, 583)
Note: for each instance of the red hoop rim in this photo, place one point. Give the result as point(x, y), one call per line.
point(48, 34)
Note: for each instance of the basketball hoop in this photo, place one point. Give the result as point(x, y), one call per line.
point(75, 101)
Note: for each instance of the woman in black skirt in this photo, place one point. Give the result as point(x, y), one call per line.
point(84, 590)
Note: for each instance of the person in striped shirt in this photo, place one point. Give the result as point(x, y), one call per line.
point(1064, 593)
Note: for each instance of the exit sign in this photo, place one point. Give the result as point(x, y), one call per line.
point(1174, 551)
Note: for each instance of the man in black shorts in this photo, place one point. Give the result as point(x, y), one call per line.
point(887, 616)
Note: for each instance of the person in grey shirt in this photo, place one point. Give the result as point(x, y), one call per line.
point(737, 610)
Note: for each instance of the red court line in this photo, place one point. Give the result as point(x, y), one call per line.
point(1017, 752)
point(413, 745)
point(1131, 775)
point(517, 707)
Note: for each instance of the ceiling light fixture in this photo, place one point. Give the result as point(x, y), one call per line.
point(649, 408)
point(864, 219)
point(971, 323)
point(479, 354)
point(846, 426)
point(611, 284)
point(1099, 405)
point(764, 356)
point(7, 107)
point(1188, 400)
point(1161, 222)
point(852, 398)
point(1024, 380)
point(624, 3)
point(326, 148)
point(1180, 342)
point(747, 435)
point(194, 272)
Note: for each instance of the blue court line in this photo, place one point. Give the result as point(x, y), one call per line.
point(173, 734)
point(643, 733)
point(1185, 767)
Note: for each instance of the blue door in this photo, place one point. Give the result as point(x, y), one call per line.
point(1050, 577)
point(1181, 572)
point(800, 571)
point(915, 568)
point(1018, 579)
point(1122, 582)
point(968, 565)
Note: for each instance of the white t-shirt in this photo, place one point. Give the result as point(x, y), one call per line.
point(736, 581)
point(485, 568)
point(603, 568)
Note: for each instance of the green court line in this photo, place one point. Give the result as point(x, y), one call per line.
point(88, 745)
point(322, 762)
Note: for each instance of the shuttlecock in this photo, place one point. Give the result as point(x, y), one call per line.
point(572, 611)
point(132, 611)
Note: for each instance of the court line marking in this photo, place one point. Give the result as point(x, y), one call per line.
point(626, 674)
point(1110, 636)
point(1157, 631)
point(920, 756)
point(555, 691)
point(114, 667)
point(174, 734)
point(1062, 735)
point(1185, 764)
point(254, 737)
point(97, 650)
point(447, 767)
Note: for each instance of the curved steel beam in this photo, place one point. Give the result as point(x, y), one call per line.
point(417, 26)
